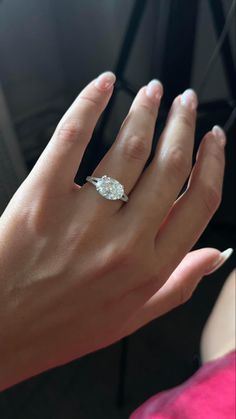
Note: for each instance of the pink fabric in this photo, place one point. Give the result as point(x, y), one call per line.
point(209, 394)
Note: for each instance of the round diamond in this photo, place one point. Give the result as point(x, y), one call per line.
point(109, 188)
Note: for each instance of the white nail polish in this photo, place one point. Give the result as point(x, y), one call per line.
point(105, 80)
point(224, 256)
point(219, 134)
point(189, 99)
point(154, 90)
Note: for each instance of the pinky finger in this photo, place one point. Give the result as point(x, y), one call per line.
point(180, 286)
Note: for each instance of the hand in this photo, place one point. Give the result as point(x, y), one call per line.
point(77, 271)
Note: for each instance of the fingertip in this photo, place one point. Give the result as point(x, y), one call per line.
point(105, 81)
point(200, 261)
point(204, 255)
point(189, 99)
point(219, 135)
point(149, 97)
point(154, 90)
point(219, 260)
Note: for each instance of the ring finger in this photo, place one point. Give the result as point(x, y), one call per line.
point(130, 151)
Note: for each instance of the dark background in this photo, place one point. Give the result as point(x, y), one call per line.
point(49, 50)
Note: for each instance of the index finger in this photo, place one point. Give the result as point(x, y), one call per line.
point(63, 154)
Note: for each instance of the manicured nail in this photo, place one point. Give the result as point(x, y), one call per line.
point(219, 134)
point(189, 99)
point(220, 261)
point(154, 90)
point(105, 80)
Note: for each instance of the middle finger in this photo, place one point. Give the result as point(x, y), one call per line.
point(164, 178)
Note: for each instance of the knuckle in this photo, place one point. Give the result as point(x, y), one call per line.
point(89, 100)
point(70, 132)
point(123, 253)
point(150, 110)
point(117, 259)
point(177, 163)
point(185, 120)
point(125, 256)
point(218, 157)
point(113, 257)
point(211, 198)
point(135, 147)
point(153, 278)
point(34, 218)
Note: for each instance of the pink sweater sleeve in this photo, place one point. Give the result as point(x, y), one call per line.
point(209, 394)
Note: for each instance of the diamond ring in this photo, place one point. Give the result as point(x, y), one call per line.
point(108, 187)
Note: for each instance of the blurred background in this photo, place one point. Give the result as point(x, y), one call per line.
point(49, 50)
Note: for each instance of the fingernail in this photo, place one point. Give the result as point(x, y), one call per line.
point(105, 80)
point(219, 134)
point(220, 261)
point(189, 99)
point(154, 90)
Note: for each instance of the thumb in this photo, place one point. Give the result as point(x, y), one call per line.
point(180, 285)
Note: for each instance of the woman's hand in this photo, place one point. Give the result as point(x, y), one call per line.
point(77, 271)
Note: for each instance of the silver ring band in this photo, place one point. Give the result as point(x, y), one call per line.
point(108, 187)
